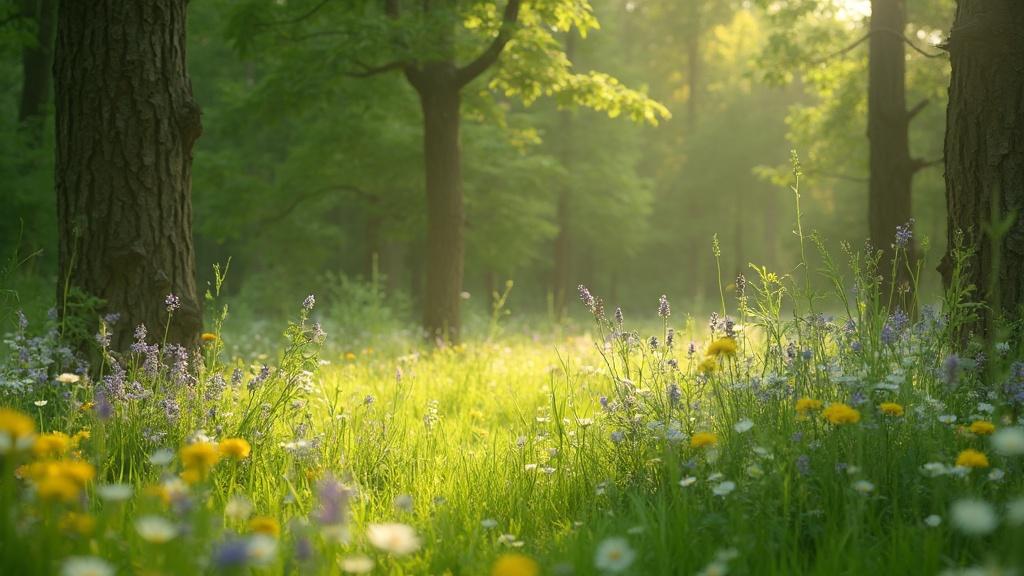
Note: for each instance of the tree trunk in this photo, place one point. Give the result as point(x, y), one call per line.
point(36, 64)
point(985, 147)
point(126, 122)
point(892, 169)
point(440, 100)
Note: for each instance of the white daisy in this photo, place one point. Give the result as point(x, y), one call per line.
point(724, 488)
point(614, 555)
point(394, 538)
point(156, 529)
point(115, 492)
point(86, 566)
point(68, 378)
point(743, 426)
point(358, 564)
point(688, 481)
point(1009, 441)
point(973, 517)
point(933, 521)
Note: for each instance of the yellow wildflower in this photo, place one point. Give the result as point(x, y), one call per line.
point(16, 424)
point(51, 445)
point(235, 448)
point(703, 440)
point(191, 476)
point(722, 346)
point(839, 413)
point(982, 427)
point(707, 366)
point(350, 356)
point(515, 565)
point(83, 524)
point(891, 408)
point(57, 488)
point(200, 456)
point(805, 405)
point(265, 525)
point(208, 337)
point(972, 458)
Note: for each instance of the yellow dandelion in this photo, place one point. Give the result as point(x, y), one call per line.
point(839, 413)
point(982, 427)
point(515, 565)
point(265, 525)
point(235, 448)
point(56, 488)
point(191, 476)
point(200, 456)
point(704, 440)
point(891, 408)
point(83, 524)
point(51, 445)
point(805, 405)
point(972, 458)
point(208, 337)
point(16, 424)
point(350, 356)
point(707, 366)
point(722, 346)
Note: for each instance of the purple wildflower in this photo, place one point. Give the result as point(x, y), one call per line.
point(309, 302)
point(904, 233)
point(664, 310)
point(586, 297)
point(172, 303)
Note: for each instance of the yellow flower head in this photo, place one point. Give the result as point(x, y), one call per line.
point(350, 356)
point(982, 427)
point(722, 346)
point(208, 337)
point(972, 458)
point(51, 445)
point(515, 565)
point(191, 476)
point(891, 408)
point(805, 405)
point(703, 440)
point(200, 456)
point(83, 524)
point(235, 448)
point(16, 424)
point(839, 413)
point(265, 525)
point(707, 366)
point(56, 488)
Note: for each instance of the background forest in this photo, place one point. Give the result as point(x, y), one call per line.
point(309, 172)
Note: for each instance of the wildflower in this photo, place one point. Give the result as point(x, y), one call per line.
point(933, 521)
point(115, 492)
point(200, 456)
point(1009, 441)
point(703, 440)
point(489, 523)
point(57, 488)
point(261, 549)
point(238, 508)
point(935, 469)
point(723, 346)
point(707, 366)
point(973, 517)
point(971, 458)
point(805, 405)
point(512, 564)
point(723, 489)
point(232, 553)
point(51, 445)
point(350, 356)
point(394, 538)
point(947, 418)
point(688, 481)
point(996, 475)
point(235, 448)
point(68, 378)
point(743, 426)
point(208, 337)
point(904, 233)
point(614, 555)
point(664, 310)
point(863, 486)
point(265, 525)
point(891, 409)
point(981, 427)
point(86, 566)
point(358, 564)
point(156, 529)
point(161, 457)
point(754, 471)
point(403, 503)
point(839, 413)
point(83, 524)
point(309, 302)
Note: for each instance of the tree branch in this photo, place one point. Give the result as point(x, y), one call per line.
point(488, 57)
point(368, 71)
point(843, 51)
point(919, 164)
point(303, 198)
point(917, 109)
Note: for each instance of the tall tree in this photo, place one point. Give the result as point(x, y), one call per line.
point(126, 122)
point(985, 148)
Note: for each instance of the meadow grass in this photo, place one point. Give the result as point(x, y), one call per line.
point(774, 440)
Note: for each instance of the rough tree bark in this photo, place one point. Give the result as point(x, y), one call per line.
point(36, 64)
point(126, 122)
point(892, 168)
point(985, 146)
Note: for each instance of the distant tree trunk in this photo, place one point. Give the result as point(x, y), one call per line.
point(560, 273)
point(440, 101)
point(985, 146)
point(892, 169)
point(126, 122)
point(36, 66)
